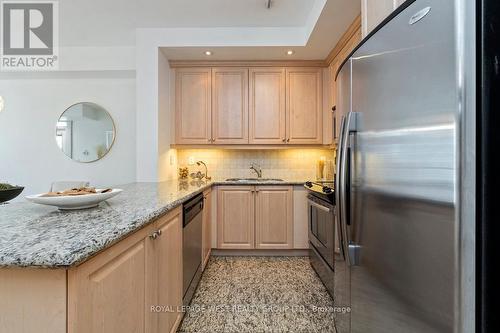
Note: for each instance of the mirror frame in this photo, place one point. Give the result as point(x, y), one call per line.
point(112, 122)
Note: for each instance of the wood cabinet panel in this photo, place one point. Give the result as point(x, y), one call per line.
point(235, 217)
point(267, 119)
point(115, 290)
point(304, 105)
point(334, 67)
point(168, 255)
point(32, 300)
point(274, 217)
point(108, 293)
point(374, 12)
point(193, 105)
point(207, 228)
point(230, 105)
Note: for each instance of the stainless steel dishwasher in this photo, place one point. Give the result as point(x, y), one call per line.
point(191, 246)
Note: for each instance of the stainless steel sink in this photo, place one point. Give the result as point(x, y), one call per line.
point(254, 180)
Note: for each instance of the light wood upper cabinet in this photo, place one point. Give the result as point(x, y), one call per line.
point(235, 217)
point(193, 115)
point(168, 258)
point(374, 12)
point(304, 105)
point(274, 217)
point(346, 50)
point(256, 105)
point(267, 119)
point(230, 105)
point(207, 228)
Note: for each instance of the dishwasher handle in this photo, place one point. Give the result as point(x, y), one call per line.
point(191, 209)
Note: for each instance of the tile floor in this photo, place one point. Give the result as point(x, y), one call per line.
point(259, 294)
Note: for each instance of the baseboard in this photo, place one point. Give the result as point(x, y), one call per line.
point(266, 253)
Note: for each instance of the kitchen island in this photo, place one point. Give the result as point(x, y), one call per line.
point(70, 271)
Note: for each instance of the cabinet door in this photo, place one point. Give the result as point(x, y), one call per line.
point(193, 106)
point(230, 105)
point(274, 217)
point(336, 63)
point(168, 253)
point(267, 120)
point(304, 105)
point(235, 217)
point(333, 92)
point(107, 294)
point(374, 12)
point(207, 228)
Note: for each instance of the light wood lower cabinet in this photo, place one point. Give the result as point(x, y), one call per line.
point(116, 290)
point(207, 228)
point(107, 294)
point(168, 287)
point(250, 217)
point(235, 217)
point(273, 217)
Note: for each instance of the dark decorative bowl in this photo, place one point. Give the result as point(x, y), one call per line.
point(6, 195)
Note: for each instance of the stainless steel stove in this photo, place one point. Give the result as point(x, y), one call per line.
point(321, 215)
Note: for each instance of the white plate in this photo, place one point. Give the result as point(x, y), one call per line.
point(69, 202)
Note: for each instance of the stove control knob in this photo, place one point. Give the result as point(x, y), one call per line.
point(327, 190)
point(309, 184)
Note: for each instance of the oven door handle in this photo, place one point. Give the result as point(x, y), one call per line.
point(323, 208)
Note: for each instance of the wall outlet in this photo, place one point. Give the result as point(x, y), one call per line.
point(191, 160)
point(172, 160)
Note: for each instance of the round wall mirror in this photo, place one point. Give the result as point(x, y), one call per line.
point(85, 132)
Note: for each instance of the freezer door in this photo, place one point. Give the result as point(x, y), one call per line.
point(341, 295)
point(402, 226)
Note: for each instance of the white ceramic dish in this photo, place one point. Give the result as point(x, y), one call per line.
point(74, 202)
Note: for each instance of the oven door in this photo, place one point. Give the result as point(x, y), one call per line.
point(322, 228)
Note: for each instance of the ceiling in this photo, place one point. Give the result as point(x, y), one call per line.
point(334, 20)
point(114, 22)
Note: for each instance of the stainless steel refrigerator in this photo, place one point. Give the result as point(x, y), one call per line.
point(401, 176)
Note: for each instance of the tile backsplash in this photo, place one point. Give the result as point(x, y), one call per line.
point(286, 163)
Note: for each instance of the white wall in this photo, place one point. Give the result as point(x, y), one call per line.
point(167, 158)
point(29, 155)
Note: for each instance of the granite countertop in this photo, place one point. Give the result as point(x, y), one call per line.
point(33, 235)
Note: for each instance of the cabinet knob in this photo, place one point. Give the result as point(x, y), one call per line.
point(288, 140)
point(283, 140)
point(155, 235)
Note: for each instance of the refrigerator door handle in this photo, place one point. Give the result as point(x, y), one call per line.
point(351, 124)
point(338, 198)
point(354, 254)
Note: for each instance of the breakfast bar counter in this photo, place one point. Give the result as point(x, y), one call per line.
point(89, 270)
point(43, 237)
